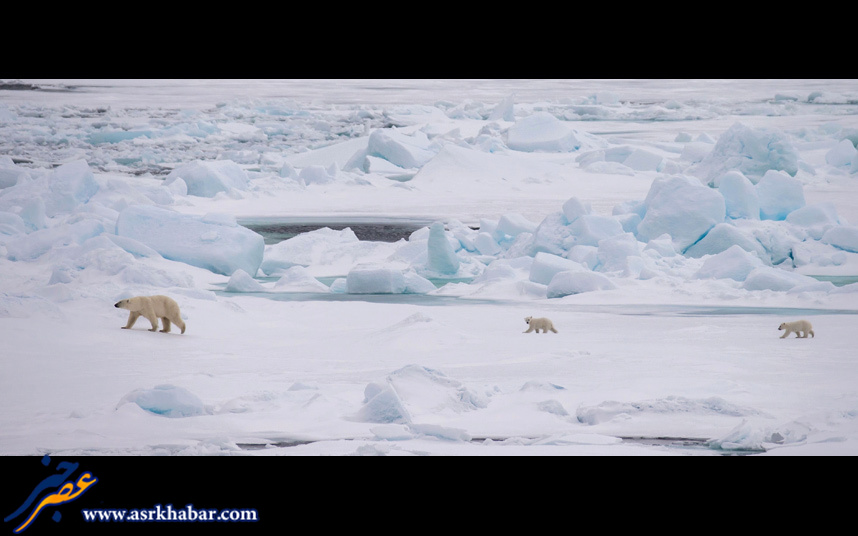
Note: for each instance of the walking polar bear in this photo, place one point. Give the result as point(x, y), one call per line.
point(152, 308)
point(800, 327)
point(539, 323)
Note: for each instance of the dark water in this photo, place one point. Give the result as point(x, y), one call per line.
point(387, 230)
point(692, 445)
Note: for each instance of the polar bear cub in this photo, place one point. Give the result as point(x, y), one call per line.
point(539, 323)
point(800, 327)
point(152, 308)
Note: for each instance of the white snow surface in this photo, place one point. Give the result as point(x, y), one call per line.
point(666, 227)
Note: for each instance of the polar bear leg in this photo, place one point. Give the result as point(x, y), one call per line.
point(179, 322)
point(528, 330)
point(132, 317)
point(166, 322)
point(786, 333)
point(150, 316)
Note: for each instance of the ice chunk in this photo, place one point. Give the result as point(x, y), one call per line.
point(629, 222)
point(382, 405)
point(815, 219)
point(441, 257)
point(613, 253)
point(722, 237)
point(167, 400)
point(769, 278)
point(591, 228)
point(574, 282)
point(486, 244)
point(207, 178)
point(10, 174)
point(216, 247)
point(287, 171)
point(134, 247)
point(11, 224)
point(733, 263)
point(299, 279)
point(177, 187)
point(663, 245)
point(816, 253)
point(740, 196)
point(241, 281)
point(842, 154)
point(546, 265)
point(574, 208)
point(843, 237)
point(681, 207)
point(779, 194)
point(542, 131)
point(310, 248)
point(32, 246)
point(382, 167)
point(504, 111)
point(69, 185)
point(587, 256)
point(417, 284)
point(375, 279)
point(412, 392)
point(552, 235)
point(750, 151)
point(441, 432)
point(316, 174)
point(497, 270)
point(403, 150)
point(33, 212)
point(695, 151)
point(641, 160)
point(515, 224)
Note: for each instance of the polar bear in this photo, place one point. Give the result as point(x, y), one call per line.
point(800, 327)
point(152, 308)
point(539, 323)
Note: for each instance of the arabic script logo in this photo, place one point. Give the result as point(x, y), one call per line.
point(60, 487)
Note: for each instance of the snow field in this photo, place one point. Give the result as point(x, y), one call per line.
point(666, 260)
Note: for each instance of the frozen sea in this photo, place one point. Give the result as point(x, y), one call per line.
point(666, 227)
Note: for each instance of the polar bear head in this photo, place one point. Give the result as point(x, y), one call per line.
point(527, 319)
point(123, 304)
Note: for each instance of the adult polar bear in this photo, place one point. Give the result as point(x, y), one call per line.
point(152, 308)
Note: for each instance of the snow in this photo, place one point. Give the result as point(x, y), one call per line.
point(666, 227)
